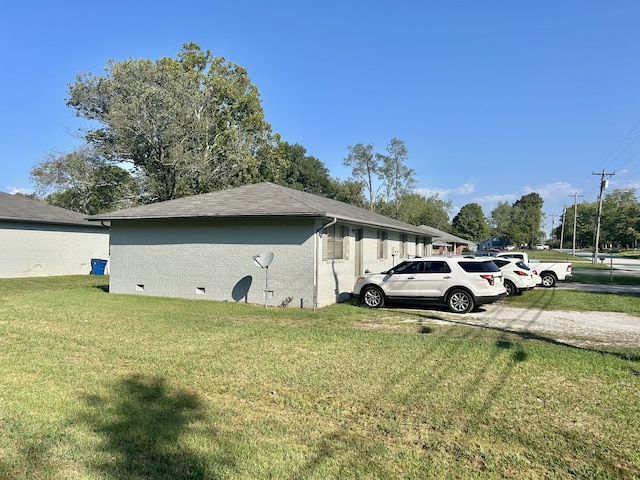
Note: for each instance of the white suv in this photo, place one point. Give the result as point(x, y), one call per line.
point(461, 283)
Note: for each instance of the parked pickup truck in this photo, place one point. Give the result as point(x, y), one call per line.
point(550, 272)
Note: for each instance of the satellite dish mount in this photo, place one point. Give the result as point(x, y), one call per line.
point(263, 261)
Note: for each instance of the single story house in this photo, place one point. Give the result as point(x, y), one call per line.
point(38, 240)
point(204, 246)
point(448, 244)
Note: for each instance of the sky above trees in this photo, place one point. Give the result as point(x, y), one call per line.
point(492, 100)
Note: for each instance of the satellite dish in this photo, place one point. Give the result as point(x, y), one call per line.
point(264, 259)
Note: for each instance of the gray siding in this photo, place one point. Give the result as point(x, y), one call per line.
point(213, 259)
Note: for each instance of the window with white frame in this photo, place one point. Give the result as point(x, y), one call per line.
point(335, 243)
point(404, 246)
point(382, 244)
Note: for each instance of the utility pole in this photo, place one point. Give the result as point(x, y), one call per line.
point(575, 219)
point(604, 183)
point(564, 211)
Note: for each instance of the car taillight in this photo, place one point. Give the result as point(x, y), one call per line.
point(569, 268)
point(521, 273)
point(488, 278)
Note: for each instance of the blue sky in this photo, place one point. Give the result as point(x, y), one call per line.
point(493, 99)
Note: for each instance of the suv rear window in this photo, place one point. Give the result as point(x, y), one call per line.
point(479, 267)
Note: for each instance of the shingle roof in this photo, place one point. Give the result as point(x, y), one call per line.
point(260, 200)
point(20, 209)
point(447, 237)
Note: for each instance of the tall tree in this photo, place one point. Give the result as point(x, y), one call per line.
point(83, 181)
point(501, 220)
point(302, 171)
point(398, 179)
point(527, 220)
point(364, 169)
point(471, 223)
point(621, 218)
point(415, 209)
point(190, 124)
point(348, 191)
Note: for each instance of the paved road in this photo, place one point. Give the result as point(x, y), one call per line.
point(628, 266)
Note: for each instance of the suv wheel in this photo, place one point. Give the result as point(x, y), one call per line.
point(372, 297)
point(510, 287)
point(460, 301)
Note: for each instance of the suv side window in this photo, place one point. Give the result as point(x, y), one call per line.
point(436, 267)
point(407, 267)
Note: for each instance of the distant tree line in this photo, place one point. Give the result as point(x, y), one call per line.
point(620, 224)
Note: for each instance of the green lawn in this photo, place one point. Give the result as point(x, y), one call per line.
point(103, 386)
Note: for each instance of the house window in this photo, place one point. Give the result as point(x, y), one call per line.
point(382, 244)
point(336, 243)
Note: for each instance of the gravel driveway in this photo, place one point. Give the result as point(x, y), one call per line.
point(582, 329)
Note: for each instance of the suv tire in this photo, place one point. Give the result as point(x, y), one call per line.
point(372, 297)
point(460, 301)
point(510, 287)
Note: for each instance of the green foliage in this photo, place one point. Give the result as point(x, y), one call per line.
point(527, 220)
point(415, 209)
point(364, 169)
point(398, 179)
point(84, 182)
point(620, 218)
point(302, 171)
point(500, 221)
point(620, 225)
point(519, 223)
point(348, 191)
point(471, 223)
point(584, 215)
point(190, 125)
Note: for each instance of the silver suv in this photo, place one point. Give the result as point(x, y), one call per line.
point(461, 283)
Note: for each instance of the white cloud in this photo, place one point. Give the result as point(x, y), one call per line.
point(14, 190)
point(495, 199)
point(443, 193)
point(552, 191)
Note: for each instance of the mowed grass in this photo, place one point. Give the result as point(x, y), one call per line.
point(101, 386)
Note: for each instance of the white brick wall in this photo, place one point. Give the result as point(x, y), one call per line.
point(38, 250)
point(207, 259)
point(213, 259)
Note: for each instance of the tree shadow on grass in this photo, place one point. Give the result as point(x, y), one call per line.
point(141, 424)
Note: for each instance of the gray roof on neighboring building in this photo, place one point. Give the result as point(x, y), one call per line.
point(447, 237)
point(21, 209)
point(260, 200)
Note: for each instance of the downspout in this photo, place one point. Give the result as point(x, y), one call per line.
point(317, 263)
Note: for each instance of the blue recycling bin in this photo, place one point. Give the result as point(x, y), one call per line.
point(97, 266)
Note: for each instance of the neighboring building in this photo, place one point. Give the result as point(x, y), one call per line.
point(39, 240)
point(446, 243)
point(203, 246)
